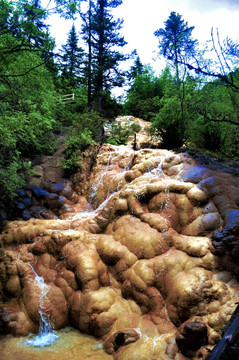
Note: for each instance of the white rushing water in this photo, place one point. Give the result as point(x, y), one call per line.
point(46, 335)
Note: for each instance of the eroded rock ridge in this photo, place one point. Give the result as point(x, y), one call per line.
point(150, 268)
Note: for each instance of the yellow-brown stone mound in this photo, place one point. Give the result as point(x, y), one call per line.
point(145, 271)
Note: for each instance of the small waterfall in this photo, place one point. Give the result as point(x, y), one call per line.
point(112, 159)
point(46, 335)
point(157, 171)
point(97, 183)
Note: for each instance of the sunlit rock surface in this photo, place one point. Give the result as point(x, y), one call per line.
point(151, 267)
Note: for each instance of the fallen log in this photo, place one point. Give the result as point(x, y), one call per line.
point(228, 346)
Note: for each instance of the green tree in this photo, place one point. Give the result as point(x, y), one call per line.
point(136, 69)
point(27, 92)
point(87, 36)
point(177, 45)
point(175, 41)
point(166, 123)
point(24, 21)
point(105, 56)
point(26, 117)
point(72, 59)
point(102, 35)
point(143, 98)
point(215, 125)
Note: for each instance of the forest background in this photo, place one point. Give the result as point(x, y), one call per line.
point(192, 105)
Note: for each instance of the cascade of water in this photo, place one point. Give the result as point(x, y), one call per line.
point(96, 184)
point(157, 172)
point(112, 159)
point(46, 335)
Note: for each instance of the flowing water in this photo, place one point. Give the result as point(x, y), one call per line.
point(68, 343)
point(46, 335)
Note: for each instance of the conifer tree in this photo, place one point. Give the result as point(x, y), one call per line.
point(175, 40)
point(101, 34)
point(136, 69)
point(105, 58)
point(72, 59)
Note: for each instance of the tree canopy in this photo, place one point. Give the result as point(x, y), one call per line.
point(189, 105)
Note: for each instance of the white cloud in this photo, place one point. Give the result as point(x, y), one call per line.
point(142, 18)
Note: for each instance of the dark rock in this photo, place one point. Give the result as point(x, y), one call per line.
point(190, 336)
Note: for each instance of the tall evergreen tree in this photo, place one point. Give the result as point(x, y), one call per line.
point(87, 36)
point(177, 45)
point(136, 69)
point(105, 58)
point(101, 33)
point(175, 40)
point(72, 59)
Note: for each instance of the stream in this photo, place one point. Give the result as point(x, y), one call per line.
point(143, 262)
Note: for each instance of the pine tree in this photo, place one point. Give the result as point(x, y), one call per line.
point(177, 45)
point(175, 40)
point(136, 69)
point(105, 59)
point(101, 34)
point(72, 57)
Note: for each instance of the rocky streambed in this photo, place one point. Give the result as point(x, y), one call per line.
point(144, 258)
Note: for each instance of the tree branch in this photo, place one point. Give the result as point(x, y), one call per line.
point(222, 119)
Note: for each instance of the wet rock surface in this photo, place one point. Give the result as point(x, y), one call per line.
point(151, 268)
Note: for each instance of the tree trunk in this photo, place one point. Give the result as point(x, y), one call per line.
point(99, 82)
point(89, 90)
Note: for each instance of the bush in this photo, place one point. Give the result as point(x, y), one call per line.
point(166, 123)
point(143, 98)
point(86, 129)
point(119, 133)
point(68, 112)
point(28, 102)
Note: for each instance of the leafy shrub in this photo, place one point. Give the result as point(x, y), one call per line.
point(119, 133)
point(204, 134)
point(28, 102)
point(166, 123)
point(86, 129)
point(67, 112)
point(144, 95)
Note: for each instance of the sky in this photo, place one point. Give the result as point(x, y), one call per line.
point(143, 17)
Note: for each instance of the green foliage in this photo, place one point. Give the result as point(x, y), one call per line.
point(175, 40)
point(216, 125)
point(87, 128)
point(111, 107)
point(119, 133)
point(71, 60)
point(76, 143)
point(165, 123)
point(204, 134)
point(28, 101)
point(143, 99)
point(170, 122)
point(137, 68)
point(68, 112)
point(101, 33)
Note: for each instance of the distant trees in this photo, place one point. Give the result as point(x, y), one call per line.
point(186, 108)
point(143, 98)
point(102, 37)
